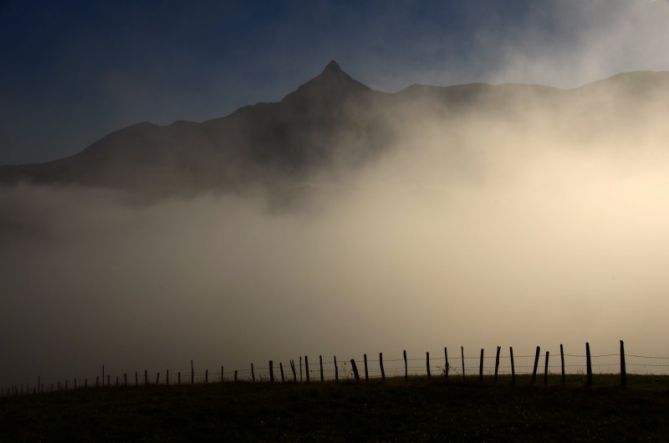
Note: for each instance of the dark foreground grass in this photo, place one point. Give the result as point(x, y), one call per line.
point(392, 411)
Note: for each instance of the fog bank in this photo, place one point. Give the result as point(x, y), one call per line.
point(480, 230)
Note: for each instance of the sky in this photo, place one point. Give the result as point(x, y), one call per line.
point(73, 71)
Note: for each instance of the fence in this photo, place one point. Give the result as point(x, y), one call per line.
point(324, 369)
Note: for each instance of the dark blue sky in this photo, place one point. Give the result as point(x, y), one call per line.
point(71, 71)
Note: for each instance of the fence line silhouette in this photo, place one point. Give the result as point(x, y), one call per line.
point(329, 369)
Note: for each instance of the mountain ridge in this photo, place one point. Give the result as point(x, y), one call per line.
point(330, 119)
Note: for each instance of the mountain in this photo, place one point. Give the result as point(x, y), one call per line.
point(330, 122)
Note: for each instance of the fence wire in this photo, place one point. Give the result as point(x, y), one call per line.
point(342, 369)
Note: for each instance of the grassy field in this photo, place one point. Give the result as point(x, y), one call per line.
point(396, 410)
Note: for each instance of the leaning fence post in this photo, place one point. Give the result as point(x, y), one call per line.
point(513, 366)
point(481, 366)
point(383, 372)
point(588, 364)
point(283, 378)
point(300, 369)
point(447, 366)
point(306, 367)
point(366, 371)
point(157, 377)
point(336, 370)
point(462, 355)
point(406, 366)
point(253, 374)
point(499, 348)
point(320, 366)
point(562, 374)
point(546, 369)
point(271, 371)
point(623, 367)
point(427, 365)
point(355, 371)
point(536, 363)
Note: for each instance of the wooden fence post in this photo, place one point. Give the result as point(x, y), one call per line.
point(355, 371)
point(546, 369)
point(306, 367)
point(320, 366)
point(447, 366)
point(125, 379)
point(206, 375)
point(406, 366)
point(366, 371)
point(271, 371)
point(513, 366)
point(283, 378)
point(588, 364)
point(103, 375)
point(222, 374)
point(499, 348)
point(146, 377)
point(623, 367)
point(136, 379)
point(481, 366)
point(178, 377)
point(292, 367)
point(462, 355)
point(536, 363)
point(253, 373)
point(167, 377)
point(300, 369)
point(562, 374)
point(336, 370)
point(157, 377)
point(427, 365)
point(383, 372)
point(235, 376)
point(192, 373)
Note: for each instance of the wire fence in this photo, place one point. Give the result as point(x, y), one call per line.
point(500, 363)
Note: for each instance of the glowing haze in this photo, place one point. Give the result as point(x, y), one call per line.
point(480, 228)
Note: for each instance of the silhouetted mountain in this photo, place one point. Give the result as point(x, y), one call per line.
point(331, 121)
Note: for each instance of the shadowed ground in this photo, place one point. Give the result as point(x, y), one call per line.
point(391, 411)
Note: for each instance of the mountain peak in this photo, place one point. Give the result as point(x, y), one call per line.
point(332, 85)
point(332, 68)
